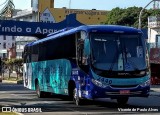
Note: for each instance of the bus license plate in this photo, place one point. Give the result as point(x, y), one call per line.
point(124, 91)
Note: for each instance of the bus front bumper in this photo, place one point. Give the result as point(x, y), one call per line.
point(111, 92)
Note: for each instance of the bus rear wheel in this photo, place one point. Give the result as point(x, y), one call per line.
point(122, 101)
point(40, 94)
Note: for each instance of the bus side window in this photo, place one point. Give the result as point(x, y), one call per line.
point(24, 54)
point(80, 52)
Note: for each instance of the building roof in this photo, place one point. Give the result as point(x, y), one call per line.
point(22, 13)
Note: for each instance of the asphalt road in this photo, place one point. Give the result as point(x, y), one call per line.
point(19, 97)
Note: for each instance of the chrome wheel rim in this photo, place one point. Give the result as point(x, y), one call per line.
point(75, 96)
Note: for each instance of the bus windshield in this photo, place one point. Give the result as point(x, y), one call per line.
point(117, 52)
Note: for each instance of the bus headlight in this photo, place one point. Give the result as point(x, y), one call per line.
point(147, 83)
point(98, 83)
point(142, 72)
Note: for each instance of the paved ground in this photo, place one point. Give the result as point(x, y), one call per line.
point(155, 90)
point(17, 96)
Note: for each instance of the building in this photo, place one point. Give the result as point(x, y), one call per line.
point(154, 31)
point(154, 48)
point(47, 13)
point(21, 41)
point(25, 15)
point(7, 42)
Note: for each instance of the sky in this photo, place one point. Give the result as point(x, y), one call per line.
point(86, 4)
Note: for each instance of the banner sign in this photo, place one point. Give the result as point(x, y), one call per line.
point(22, 28)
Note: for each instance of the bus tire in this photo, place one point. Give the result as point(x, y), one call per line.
point(39, 93)
point(76, 99)
point(122, 101)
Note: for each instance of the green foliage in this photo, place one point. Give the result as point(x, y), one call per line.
point(18, 62)
point(114, 17)
point(154, 12)
point(14, 61)
point(130, 16)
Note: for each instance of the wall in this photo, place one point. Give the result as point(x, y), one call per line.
point(48, 12)
point(152, 35)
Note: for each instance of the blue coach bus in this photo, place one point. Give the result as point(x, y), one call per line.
point(89, 62)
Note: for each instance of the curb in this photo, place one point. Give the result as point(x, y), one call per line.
point(154, 93)
point(19, 113)
point(15, 82)
point(12, 113)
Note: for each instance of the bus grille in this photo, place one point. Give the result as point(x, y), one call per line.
point(123, 86)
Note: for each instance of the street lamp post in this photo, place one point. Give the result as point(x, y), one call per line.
point(69, 4)
point(140, 14)
point(68, 21)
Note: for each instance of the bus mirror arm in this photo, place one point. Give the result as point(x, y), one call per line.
point(93, 61)
point(87, 47)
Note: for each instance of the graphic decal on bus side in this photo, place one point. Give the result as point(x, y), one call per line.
point(53, 75)
point(103, 80)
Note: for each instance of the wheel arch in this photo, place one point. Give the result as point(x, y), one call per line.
point(71, 86)
point(36, 81)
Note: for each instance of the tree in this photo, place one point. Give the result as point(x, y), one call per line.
point(3, 67)
point(18, 63)
point(114, 16)
point(130, 16)
point(9, 65)
point(154, 12)
point(14, 64)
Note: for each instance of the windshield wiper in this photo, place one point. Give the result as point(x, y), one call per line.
point(114, 59)
point(125, 52)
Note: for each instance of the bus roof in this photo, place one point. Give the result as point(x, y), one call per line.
point(90, 28)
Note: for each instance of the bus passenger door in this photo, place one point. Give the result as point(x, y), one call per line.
point(82, 59)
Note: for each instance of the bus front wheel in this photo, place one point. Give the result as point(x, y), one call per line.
point(77, 100)
point(122, 101)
